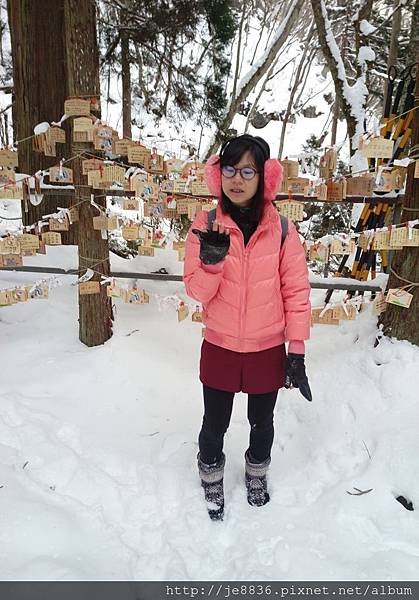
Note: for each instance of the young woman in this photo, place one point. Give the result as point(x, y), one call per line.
point(255, 296)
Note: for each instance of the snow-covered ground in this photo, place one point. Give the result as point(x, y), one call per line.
point(98, 446)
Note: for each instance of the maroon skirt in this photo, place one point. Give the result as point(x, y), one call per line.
point(249, 372)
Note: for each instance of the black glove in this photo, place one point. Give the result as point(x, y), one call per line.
point(296, 375)
point(214, 246)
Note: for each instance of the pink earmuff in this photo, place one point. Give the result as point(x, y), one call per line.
point(272, 175)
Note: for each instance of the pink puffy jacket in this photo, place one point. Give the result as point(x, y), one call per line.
point(258, 297)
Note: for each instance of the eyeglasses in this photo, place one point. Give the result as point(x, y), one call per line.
point(246, 172)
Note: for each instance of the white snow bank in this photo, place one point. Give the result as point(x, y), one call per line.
point(98, 475)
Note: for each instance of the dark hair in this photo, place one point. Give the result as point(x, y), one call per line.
point(230, 154)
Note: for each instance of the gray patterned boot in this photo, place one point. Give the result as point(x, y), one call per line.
point(212, 481)
point(256, 484)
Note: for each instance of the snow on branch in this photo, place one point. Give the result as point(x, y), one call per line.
point(257, 71)
point(353, 96)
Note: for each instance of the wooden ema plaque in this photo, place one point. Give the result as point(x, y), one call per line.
point(347, 312)
point(326, 319)
point(112, 223)
point(121, 147)
point(336, 190)
point(139, 154)
point(145, 250)
point(114, 173)
point(89, 287)
point(155, 163)
point(173, 165)
point(74, 214)
point(92, 164)
point(130, 204)
point(180, 186)
point(56, 135)
point(59, 224)
point(60, 175)
point(130, 232)
point(11, 192)
point(10, 245)
point(7, 176)
point(398, 237)
point(51, 238)
point(360, 186)
point(199, 189)
point(297, 185)
point(29, 242)
point(290, 168)
point(381, 240)
point(12, 260)
point(321, 192)
point(291, 209)
point(8, 159)
point(74, 107)
point(378, 147)
point(100, 223)
point(182, 206)
point(412, 237)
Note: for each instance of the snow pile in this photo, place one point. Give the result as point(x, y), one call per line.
point(98, 475)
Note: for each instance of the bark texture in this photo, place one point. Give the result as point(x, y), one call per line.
point(39, 91)
point(82, 68)
point(402, 323)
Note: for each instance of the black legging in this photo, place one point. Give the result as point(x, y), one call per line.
point(218, 407)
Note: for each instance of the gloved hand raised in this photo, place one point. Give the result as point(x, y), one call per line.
point(296, 375)
point(214, 243)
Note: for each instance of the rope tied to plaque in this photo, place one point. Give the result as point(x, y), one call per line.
point(411, 284)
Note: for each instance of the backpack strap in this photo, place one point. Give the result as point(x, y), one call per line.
point(284, 227)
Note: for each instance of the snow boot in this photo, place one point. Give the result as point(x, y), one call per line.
point(212, 481)
point(255, 478)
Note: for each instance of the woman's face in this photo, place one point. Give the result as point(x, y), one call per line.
point(237, 189)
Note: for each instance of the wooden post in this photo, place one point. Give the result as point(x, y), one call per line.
point(398, 322)
point(82, 66)
point(39, 91)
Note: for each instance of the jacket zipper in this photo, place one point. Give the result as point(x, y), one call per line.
point(244, 274)
point(243, 286)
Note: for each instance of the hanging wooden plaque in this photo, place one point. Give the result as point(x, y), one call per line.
point(60, 175)
point(76, 106)
point(7, 176)
point(200, 189)
point(92, 164)
point(89, 287)
point(145, 251)
point(8, 158)
point(51, 238)
point(130, 232)
point(378, 147)
point(29, 241)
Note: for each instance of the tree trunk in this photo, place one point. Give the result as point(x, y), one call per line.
point(126, 86)
point(82, 67)
point(253, 79)
point(239, 47)
point(343, 47)
point(398, 322)
point(413, 45)
point(395, 32)
point(39, 93)
point(335, 119)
